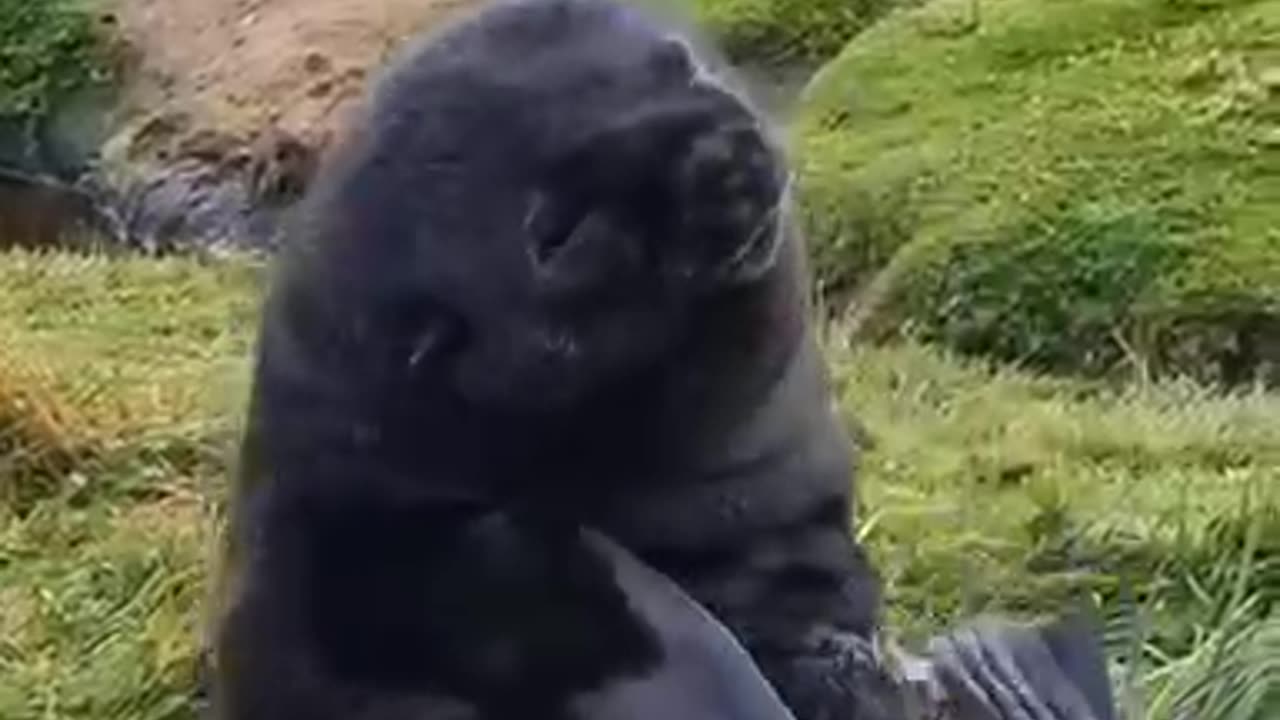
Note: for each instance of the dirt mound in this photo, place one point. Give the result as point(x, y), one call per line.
point(212, 75)
point(228, 105)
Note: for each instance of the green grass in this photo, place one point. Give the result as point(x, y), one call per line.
point(985, 489)
point(101, 357)
point(1075, 185)
point(1072, 479)
point(119, 384)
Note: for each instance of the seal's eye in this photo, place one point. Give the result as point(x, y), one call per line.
point(550, 225)
point(579, 249)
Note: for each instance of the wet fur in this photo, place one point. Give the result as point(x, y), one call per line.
point(550, 279)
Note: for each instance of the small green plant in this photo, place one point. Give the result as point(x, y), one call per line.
point(1054, 293)
point(47, 48)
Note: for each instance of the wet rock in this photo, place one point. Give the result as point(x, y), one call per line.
point(281, 166)
point(193, 205)
point(183, 189)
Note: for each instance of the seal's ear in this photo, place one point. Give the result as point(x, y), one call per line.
point(705, 673)
point(673, 61)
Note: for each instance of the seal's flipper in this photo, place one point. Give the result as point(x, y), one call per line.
point(998, 670)
point(1075, 645)
point(705, 672)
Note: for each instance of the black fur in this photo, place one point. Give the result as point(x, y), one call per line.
point(550, 274)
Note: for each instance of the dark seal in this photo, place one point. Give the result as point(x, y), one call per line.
point(549, 279)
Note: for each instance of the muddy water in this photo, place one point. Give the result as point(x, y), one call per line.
point(42, 212)
point(187, 206)
point(41, 204)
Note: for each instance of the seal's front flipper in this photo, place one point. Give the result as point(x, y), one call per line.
point(1074, 643)
point(705, 673)
point(998, 670)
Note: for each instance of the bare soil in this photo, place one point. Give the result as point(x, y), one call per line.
point(212, 75)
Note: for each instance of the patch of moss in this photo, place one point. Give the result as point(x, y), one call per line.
point(1046, 292)
point(48, 48)
point(1062, 183)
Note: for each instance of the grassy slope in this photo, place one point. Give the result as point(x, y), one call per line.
point(1143, 136)
point(976, 477)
